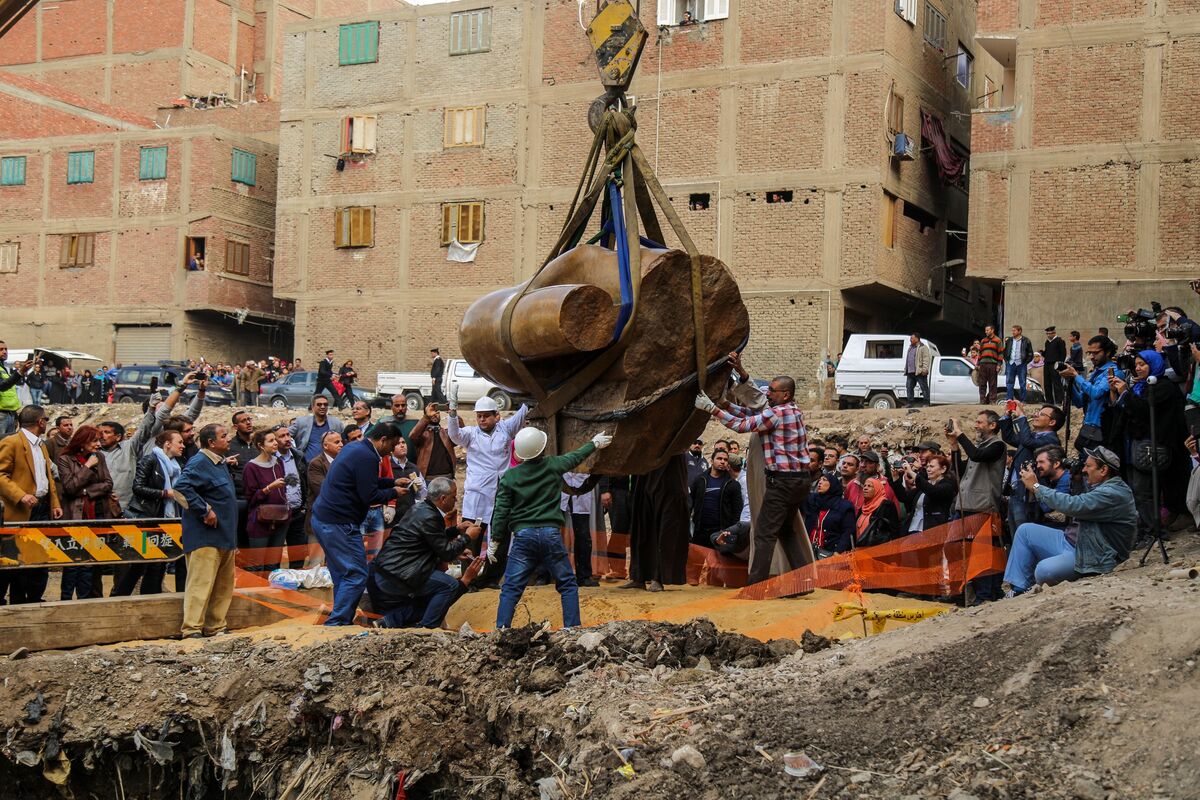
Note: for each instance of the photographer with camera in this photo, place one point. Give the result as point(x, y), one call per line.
point(1027, 434)
point(1092, 393)
point(1166, 452)
point(1054, 471)
point(1099, 539)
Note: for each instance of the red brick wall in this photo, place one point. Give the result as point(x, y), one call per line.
point(1071, 12)
point(140, 198)
point(1178, 211)
point(778, 239)
point(992, 131)
point(147, 25)
point(781, 125)
point(22, 119)
point(76, 28)
point(24, 202)
point(687, 145)
point(427, 264)
point(1181, 89)
point(145, 86)
point(20, 43)
point(996, 15)
point(211, 29)
point(20, 290)
point(987, 246)
point(1087, 94)
point(146, 269)
point(1083, 218)
point(79, 286)
point(87, 82)
point(861, 241)
point(81, 200)
point(780, 30)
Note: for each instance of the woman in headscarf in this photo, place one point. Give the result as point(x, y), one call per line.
point(829, 518)
point(879, 519)
point(1134, 400)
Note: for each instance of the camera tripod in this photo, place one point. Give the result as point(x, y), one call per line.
point(1156, 531)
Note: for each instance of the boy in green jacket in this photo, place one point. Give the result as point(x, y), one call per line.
point(528, 507)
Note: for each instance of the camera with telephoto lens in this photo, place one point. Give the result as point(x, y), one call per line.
point(1125, 363)
point(1140, 325)
point(1059, 366)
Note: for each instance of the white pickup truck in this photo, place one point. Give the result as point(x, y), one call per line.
point(871, 373)
point(417, 387)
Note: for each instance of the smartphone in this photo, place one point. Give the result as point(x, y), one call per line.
point(441, 407)
point(949, 426)
point(1191, 415)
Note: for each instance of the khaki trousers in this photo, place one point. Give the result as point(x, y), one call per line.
point(209, 590)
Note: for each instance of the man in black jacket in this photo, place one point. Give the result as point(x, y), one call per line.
point(1055, 350)
point(437, 370)
point(716, 501)
point(1018, 352)
point(325, 377)
point(404, 582)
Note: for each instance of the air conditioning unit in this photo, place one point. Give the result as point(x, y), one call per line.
point(904, 148)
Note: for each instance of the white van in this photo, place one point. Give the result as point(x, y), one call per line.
point(871, 373)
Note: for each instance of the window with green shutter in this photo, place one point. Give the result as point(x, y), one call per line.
point(245, 166)
point(471, 32)
point(358, 43)
point(12, 171)
point(154, 164)
point(81, 166)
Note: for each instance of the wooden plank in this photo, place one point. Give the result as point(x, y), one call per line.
point(66, 624)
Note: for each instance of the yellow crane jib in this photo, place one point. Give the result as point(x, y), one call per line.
point(65, 543)
point(617, 37)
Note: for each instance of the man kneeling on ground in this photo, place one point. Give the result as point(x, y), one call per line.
point(1100, 538)
point(528, 509)
point(405, 583)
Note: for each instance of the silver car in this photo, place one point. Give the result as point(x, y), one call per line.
point(296, 390)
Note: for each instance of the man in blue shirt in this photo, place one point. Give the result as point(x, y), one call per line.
point(1091, 393)
point(351, 487)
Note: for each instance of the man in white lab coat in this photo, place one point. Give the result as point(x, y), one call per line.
point(489, 452)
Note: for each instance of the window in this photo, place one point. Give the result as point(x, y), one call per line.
point(194, 251)
point(896, 114)
point(922, 217)
point(954, 368)
point(779, 196)
point(690, 12)
point(358, 43)
point(12, 171)
point(699, 201)
point(295, 377)
point(907, 10)
point(465, 126)
point(890, 202)
point(245, 167)
point(154, 164)
point(471, 32)
point(9, 256)
point(935, 27)
point(129, 375)
point(81, 166)
point(963, 64)
point(462, 222)
point(358, 135)
point(354, 227)
point(464, 370)
point(78, 250)
point(237, 257)
point(893, 348)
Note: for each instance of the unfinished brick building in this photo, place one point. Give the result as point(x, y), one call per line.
point(1085, 180)
point(773, 125)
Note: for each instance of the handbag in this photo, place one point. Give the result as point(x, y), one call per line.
point(1147, 458)
point(276, 513)
point(1089, 436)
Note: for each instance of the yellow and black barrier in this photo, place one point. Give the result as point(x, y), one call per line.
point(64, 543)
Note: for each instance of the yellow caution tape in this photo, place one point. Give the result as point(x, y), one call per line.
point(879, 619)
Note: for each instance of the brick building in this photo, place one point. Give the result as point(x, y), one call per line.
point(103, 213)
point(1085, 179)
point(773, 126)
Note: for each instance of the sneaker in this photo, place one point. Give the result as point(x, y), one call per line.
point(654, 586)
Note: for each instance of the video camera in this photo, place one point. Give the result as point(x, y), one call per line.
point(1141, 325)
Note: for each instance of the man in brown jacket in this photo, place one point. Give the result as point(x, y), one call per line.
point(249, 381)
point(435, 452)
point(29, 494)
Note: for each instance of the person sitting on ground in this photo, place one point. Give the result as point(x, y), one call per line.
point(1101, 537)
point(930, 491)
point(528, 512)
point(879, 519)
point(405, 582)
point(1050, 463)
point(829, 518)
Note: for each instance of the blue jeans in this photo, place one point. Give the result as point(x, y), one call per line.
point(533, 548)
point(1018, 508)
point(1039, 555)
point(1014, 375)
point(426, 610)
point(35, 396)
point(347, 562)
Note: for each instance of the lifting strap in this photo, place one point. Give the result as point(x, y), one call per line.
point(623, 163)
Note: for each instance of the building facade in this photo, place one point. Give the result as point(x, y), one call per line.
point(772, 125)
point(1085, 172)
point(131, 242)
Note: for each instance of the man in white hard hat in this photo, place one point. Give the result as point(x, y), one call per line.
point(488, 444)
point(529, 513)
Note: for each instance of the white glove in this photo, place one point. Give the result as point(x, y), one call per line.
point(492, 550)
point(452, 398)
point(417, 484)
point(704, 404)
point(601, 440)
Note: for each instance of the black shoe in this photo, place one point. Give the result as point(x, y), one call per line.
point(588, 582)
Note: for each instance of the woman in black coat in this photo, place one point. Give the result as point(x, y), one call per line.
point(929, 494)
point(153, 478)
point(879, 520)
point(829, 518)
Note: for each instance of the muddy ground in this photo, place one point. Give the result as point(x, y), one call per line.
point(1087, 690)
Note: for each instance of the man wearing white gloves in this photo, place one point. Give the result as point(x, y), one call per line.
point(487, 444)
point(527, 507)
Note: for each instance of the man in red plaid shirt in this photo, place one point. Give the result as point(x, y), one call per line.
point(787, 469)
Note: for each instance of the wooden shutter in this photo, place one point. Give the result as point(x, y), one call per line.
point(153, 164)
point(448, 219)
point(470, 223)
point(81, 167)
point(358, 43)
point(12, 171)
point(341, 227)
point(716, 9)
point(9, 256)
point(362, 227)
point(666, 12)
point(889, 220)
point(237, 257)
point(470, 31)
point(896, 117)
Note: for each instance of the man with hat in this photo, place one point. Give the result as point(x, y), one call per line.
point(1054, 351)
point(528, 511)
point(1100, 538)
point(487, 444)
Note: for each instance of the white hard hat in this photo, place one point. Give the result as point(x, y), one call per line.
point(529, 443)
point(486, 404)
